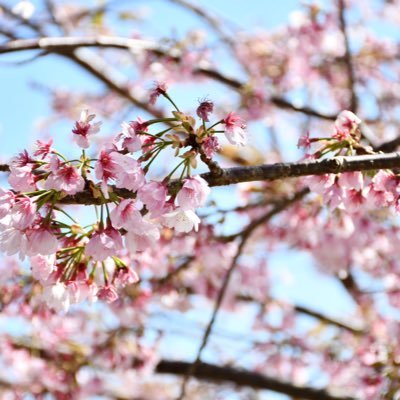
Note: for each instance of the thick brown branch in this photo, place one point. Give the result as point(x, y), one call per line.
point(303, 168)
point(266, 172)
point(239, 377)
point(67, 44)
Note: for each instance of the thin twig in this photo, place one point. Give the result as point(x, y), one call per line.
point(65, 45)
point(244, 237)
point(348, 57)
point(213, 22)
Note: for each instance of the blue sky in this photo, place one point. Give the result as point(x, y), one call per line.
point(22, 108)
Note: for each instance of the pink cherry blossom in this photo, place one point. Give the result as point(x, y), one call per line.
point(319, 183)
point(105, 167)
point(235, 129)
point(133, 141)
point(23, 213)
point(125, 276)
point(13, 241)
point(104, 244)
point(57, 297)
point(41, 241)
point(182, 220)
point(129, 174)
point(378, 198)
point(42, 266)
point(84, 129)
point(204, 109)
point(107, 293)
point(67, 179)
point(346, 124)
point(354, 200)
point(160, 88)
point(144, 237)
point(304, 142)
point(154, 196)
point(22, 179)
point(334, 196)
point(386, 181)
point(351, 180)
point(7, 200)
point(126, 214)
point(193, 193)
point(210, 146)
point(43, 149)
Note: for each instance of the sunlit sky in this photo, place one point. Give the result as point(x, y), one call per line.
point(23, 108)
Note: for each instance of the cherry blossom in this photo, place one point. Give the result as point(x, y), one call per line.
point(132, 140)
point(66, 179)
point(41, 241)
point(42, 266)
point(235, 129)
point(118, 219)
point(346, 124)
point(23, 213)
point(126, 215)
point(160, 88)
point(182, 220)
point(210, 146)
point(193, 193)
point(57, 297)
point(104, 244)
point(22, 179)
point(107, 293)
point(154, 196)
point(84, 129)
point(204, 109)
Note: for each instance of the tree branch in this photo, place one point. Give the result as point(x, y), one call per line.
point(65, 45)
point(244, 237)
point(388, 146)
point(348, 57)
point(239, 377)
point(265, 172)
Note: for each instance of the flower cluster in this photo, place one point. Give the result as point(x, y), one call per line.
point(76, 263)
point(353, 192)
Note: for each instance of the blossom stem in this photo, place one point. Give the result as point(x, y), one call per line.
point(217, 123)
point(105, 275)
point(171, 101)
point(157, 120)
point(172, 172)
point(66, 214)
point(156, 153)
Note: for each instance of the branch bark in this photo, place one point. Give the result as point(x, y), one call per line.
point(239, 377)
point(265, 172)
